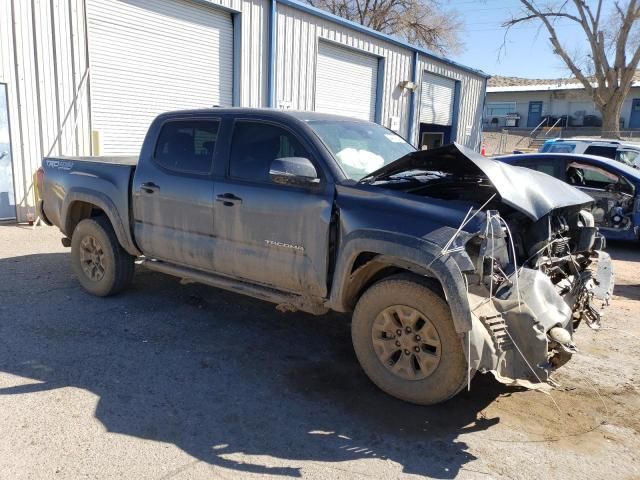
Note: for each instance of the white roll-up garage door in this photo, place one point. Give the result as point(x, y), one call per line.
point(346, 82)
point(436, 99)
point(148, 57)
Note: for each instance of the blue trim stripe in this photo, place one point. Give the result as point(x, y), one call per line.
point(271, 52)
point(456, 111)
point(236, 18)
point(413, 98)
point(379, 90)
point(374, 33)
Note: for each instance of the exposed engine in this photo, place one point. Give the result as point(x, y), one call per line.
point(530, 254)
point(542, 279)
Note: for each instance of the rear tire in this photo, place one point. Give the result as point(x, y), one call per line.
point(101, 265)
point(405, 341)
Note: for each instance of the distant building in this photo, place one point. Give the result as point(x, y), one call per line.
point(525, 103)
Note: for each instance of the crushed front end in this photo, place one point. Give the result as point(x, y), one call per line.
point(534, 283)
point(529, 255)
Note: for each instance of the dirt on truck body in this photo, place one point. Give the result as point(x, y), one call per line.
point(451, 263)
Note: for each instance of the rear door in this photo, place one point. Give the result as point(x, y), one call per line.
point(173, 194)
point(271, 234)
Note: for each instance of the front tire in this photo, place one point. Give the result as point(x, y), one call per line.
point(101, 265)
point(405, 341)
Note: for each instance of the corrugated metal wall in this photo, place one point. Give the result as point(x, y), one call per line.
point(254, 26)
point(471, 102)
point(43, 61)
point(297, 38)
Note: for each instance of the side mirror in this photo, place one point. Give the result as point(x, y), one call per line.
point(297, 171)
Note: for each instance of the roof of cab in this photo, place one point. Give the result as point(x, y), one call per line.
point(304, 116)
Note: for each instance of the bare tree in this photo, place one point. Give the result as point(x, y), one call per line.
point(607, 71)
point(423, 22)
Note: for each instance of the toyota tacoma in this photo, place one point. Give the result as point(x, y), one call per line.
point(451, 263)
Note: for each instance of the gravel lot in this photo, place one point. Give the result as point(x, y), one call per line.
point(185, 381)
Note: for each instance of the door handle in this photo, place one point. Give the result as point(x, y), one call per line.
point(149, 187)
point(228, 199)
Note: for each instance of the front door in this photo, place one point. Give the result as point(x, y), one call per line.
point(7, 198)
point(535, 114)
point(173, 194)
point(272, 234)
point(634, 120)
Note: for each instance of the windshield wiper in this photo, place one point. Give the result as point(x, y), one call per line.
point(410, 175)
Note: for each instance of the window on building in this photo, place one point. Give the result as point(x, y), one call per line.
point(255, 145)
point(187, 145)
point(499, 109)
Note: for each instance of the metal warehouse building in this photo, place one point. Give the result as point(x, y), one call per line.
point(82, 77)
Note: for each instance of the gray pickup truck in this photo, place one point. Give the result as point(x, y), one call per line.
point(451, 263)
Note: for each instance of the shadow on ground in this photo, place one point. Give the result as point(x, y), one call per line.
point(627, 252)
point(218, 374)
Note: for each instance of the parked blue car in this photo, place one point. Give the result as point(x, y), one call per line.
point(614, 186)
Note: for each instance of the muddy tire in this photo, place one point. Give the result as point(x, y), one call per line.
point(404, 339)
point(101, 265)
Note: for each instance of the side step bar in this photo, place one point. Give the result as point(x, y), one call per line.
point(285, 301)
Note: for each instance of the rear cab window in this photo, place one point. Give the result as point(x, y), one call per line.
point(187, 146)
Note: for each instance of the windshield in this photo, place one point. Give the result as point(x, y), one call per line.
point(360, 147)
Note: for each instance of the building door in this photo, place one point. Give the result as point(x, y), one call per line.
point(149, 57)
point(535, 114)
point(431, 140)
point(437, 95)
point(634, 119)
point(346, 82)
point(7, 198)
point(437, 106)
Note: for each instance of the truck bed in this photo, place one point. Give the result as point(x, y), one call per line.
point(70, 182)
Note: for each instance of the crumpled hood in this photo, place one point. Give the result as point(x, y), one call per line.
point(533, 193)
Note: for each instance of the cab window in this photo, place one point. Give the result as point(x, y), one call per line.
point(255, 145)
point(186, 146)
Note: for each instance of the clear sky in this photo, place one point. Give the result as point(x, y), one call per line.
point(526, 52)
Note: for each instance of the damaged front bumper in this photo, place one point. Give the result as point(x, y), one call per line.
point(524, 330)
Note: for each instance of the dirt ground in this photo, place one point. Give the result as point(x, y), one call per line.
point(188, 382)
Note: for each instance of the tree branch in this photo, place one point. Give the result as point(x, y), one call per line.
point(558, 49)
